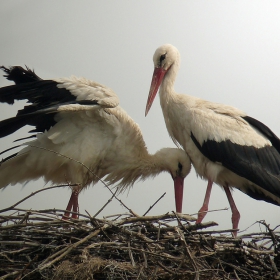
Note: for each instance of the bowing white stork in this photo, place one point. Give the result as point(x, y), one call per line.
point(225, 145)
point(79, 124)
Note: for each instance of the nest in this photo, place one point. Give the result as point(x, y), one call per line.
point(39, 245)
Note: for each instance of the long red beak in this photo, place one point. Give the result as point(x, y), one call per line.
point(155, 84)
point(179, 190)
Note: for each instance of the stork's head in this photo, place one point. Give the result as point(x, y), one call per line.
point(165, 58)
point(178, 164)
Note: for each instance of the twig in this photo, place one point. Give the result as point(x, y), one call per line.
point(182, 237)
point(102, 208)
point(65, 251)
point(130, 254)
point(270, 232)
point(274, 267)
point(33, 193)
point(215, 210)
point(235, 273)
point(152, 218)
point(117, 215)
point(154, 204)
point(25, 268)
point(54, 210)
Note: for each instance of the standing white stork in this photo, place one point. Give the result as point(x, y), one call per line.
point(225, 145)
point(80, 119)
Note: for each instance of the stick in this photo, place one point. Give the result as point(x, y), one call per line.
point(102, 208)
point(67, 250)
point(154, 204)
point(33, 193)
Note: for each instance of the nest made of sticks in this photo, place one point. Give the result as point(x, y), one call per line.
point(39, 245)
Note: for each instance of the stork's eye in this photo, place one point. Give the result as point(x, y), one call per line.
point(180, 166)
point(162, 57)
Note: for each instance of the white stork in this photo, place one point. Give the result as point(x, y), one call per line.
point(80, 119)
point(224, 144)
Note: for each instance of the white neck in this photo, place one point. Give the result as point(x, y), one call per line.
point(166, 91)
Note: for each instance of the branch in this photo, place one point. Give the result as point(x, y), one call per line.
point(154, 204)
point(102, 208)
point(33, 193)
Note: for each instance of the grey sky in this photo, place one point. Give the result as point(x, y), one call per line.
point(230, 53)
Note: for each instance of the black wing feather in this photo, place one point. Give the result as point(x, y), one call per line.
point(20, 75)
point(44, 95)
point(266, 131)
point(258, 165)
point(41, 94)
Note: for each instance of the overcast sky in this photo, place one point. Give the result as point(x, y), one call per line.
point(230, 53)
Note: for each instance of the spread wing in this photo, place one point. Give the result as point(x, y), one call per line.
point(47, 98)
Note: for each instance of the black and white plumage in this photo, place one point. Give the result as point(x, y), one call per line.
point(81, 120)
point(225, 145)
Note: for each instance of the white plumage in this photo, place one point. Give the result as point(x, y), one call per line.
point(81, 120)
point(225, 145)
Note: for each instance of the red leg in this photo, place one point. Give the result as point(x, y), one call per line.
point(203, 210)
point(69, 207)
point(73, 203)
point(235, 213)
point(75, 194)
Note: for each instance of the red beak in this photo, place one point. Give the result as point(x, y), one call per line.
point(155, 84)
point(179, 190)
